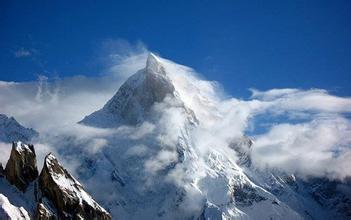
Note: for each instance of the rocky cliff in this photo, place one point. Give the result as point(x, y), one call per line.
point(57, 196)
point(21, 168)
point(67, 194)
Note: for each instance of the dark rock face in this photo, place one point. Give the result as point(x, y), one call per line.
point(135, 99)
point(246, 195)
point(44, 213)
point(134, 108)
point(67, 194)
point(59, 195)
point(21, 168)
point(1, 171)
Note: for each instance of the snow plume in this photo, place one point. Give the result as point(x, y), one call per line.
point(302, 131)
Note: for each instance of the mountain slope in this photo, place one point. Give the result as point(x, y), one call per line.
point(11, 130)
point(133, 101)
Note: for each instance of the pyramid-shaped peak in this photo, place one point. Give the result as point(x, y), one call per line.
point(134, 100)
point(154, 64)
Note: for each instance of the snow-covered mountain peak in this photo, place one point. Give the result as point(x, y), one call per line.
point(51, 164)
point(133, 101)
point(154, 65)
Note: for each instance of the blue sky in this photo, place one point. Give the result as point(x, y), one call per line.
point(241, 44)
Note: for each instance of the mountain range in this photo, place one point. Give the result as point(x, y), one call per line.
point(153, 165)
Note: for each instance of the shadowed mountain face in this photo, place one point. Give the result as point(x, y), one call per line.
point(11, 130)
point(133, 101)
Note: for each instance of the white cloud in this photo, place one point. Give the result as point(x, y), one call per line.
point(317, 100)
point(320, 147)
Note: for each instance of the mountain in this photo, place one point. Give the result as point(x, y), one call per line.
point(54, 194)
point(11, 130)
point(152, 178)
point(133, 101)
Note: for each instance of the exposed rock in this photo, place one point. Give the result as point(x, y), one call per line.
point(246, 195)
point(59, 196)
point(21, 168)
point(67, 194)
point(44, 213)
point(9, 211)
point(1, 171)
point(291, 181)
point(11, 130)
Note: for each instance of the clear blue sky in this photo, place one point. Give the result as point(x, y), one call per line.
point(241, 44)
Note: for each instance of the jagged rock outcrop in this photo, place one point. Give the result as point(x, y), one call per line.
point(44, 213)
point(59, 195)
point(11, 130)
point(21, 168)
point(67, 194)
